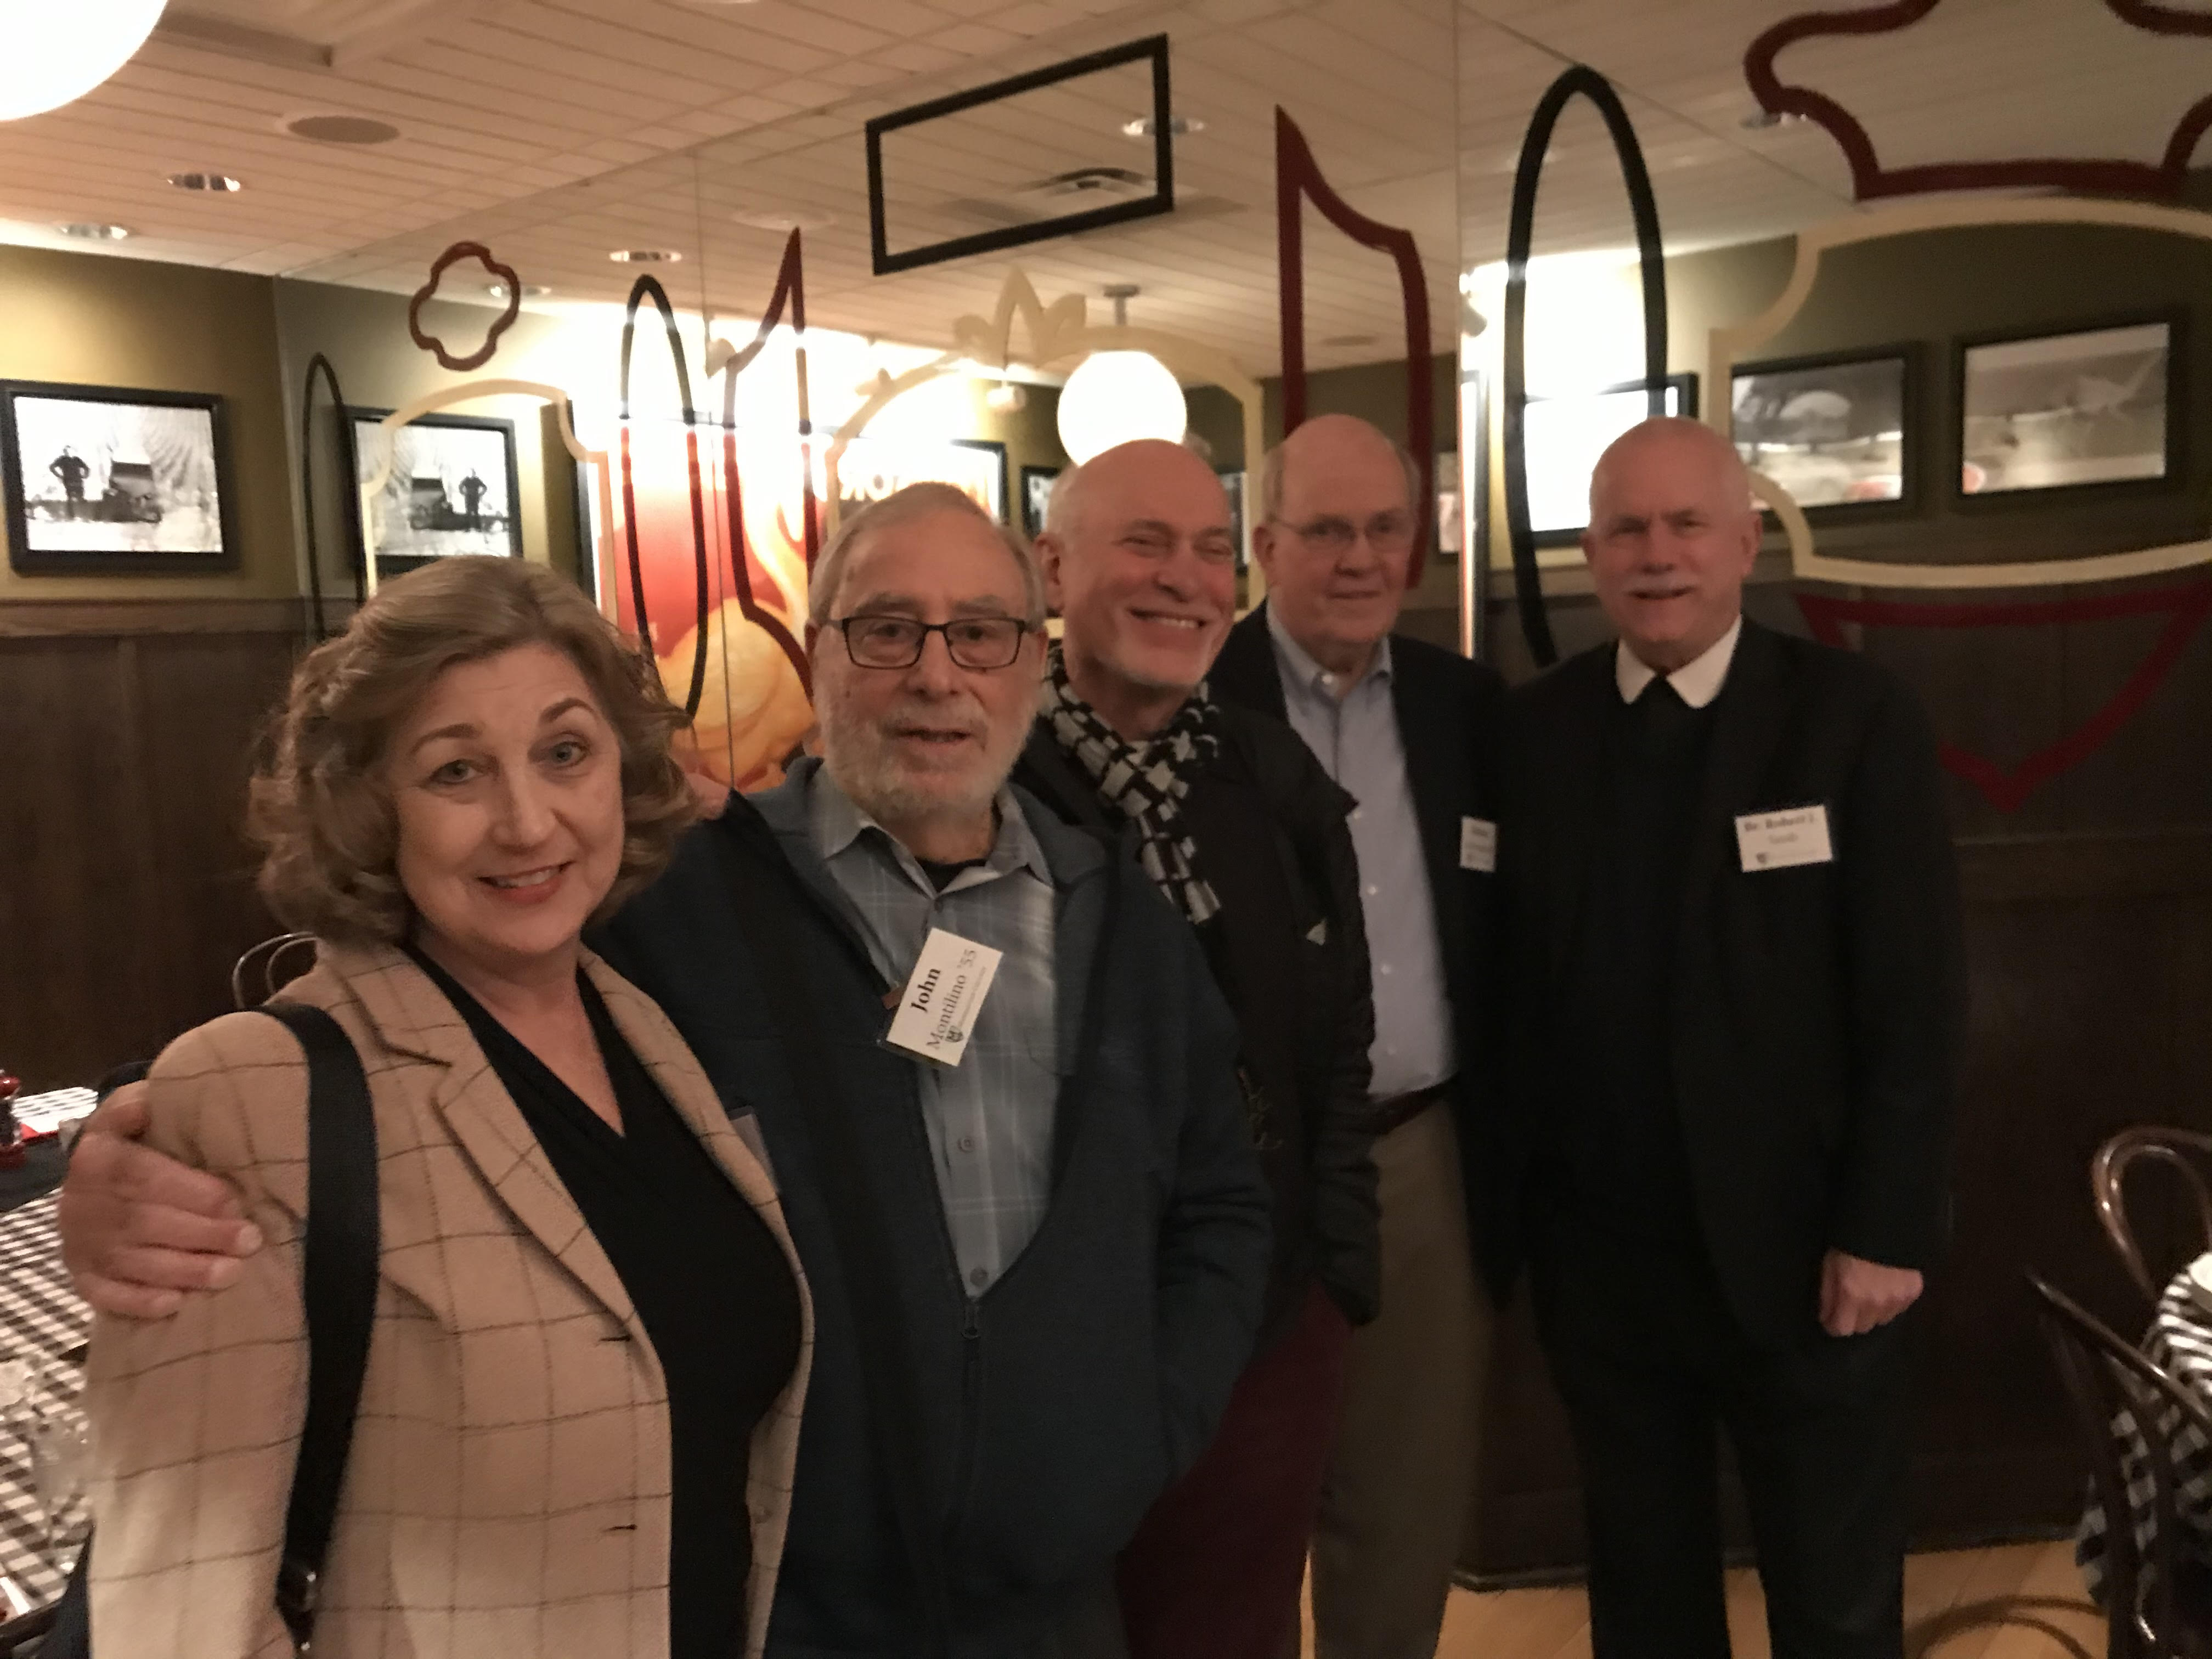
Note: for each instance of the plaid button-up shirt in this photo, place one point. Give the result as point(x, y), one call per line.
point(991, 1118)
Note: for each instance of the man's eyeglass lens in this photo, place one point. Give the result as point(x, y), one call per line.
point(896, 641)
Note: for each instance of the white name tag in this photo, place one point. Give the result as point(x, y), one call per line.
point(937, 1008)
point(1477, 845)
point(1775, 840)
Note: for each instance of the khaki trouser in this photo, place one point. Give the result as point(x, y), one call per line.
point(1403, 1476)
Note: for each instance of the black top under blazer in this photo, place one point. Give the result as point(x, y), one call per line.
point(1449, 710)
point(1816, 1010)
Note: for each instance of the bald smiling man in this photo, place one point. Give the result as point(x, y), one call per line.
point(1243, 833)
point(1733, 953)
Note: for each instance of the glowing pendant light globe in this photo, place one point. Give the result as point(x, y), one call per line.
point(56, 50)
point(1117, 398)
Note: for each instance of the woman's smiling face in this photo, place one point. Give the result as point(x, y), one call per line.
point(506, 780)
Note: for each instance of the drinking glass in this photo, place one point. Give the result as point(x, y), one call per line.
point(59, 1457)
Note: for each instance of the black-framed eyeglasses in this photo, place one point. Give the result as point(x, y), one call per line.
point(976, 642)
point(1386, 532)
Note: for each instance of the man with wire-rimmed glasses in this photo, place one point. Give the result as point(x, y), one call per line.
point(1402, 725)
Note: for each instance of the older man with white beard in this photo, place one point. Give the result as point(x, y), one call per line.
point(1034, 1226)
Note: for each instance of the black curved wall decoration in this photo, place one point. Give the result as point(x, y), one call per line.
point(321, 365)
point(1584, 81)
point(648, 288)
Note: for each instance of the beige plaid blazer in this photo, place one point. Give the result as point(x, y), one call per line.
point(507, 1494)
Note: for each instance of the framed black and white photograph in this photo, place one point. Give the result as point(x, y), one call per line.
point(1037, 496)
point(1834, 431)
point(453, 488)
point(107, 479)
point(1562, 437)
point(2058, 411)
point(1240, 525)
point(996, 476)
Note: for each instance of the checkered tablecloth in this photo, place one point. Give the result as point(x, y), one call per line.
point(2180, 1341)
point(40, 1319)
point(45, 1114)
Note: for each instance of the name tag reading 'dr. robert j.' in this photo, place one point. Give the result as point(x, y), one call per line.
point(1775, 840)
point(1478, 845)
point(936, 1011)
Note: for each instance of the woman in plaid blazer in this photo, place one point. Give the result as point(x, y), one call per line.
point(580, 1410)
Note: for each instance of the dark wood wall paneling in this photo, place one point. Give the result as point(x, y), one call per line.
point(128, 891)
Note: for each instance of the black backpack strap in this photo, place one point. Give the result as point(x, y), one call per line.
point(338, 1289)
point(337, 1285)
point(770, 925)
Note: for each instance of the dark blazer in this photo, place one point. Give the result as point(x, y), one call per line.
point(1288, 950)
point(1042, 1419)
point(1449, 711)
point(1817, 1009)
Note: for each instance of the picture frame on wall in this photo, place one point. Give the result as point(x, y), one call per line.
point(1562, 437)
point(999, 503)
point(872, 467)
point(454, 489)
point(1037, 496)
point(1240, 528)
point(1836, 431)
point(2086, 407)
point(114, 480)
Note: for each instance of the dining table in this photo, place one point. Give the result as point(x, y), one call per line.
point(43, 1326)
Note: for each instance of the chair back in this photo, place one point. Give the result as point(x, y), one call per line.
point(2114, 1388)
point(2184, 1152)
point(255, 978)
point(19, 1636)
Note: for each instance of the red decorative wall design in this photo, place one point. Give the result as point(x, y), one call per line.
point(1298, 181)
point(2091, 176)
point(2184, 609)
point(715, 529)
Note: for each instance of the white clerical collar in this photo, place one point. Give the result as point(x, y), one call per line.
point(1696, 683)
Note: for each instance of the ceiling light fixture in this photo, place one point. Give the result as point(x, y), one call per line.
point(1179, 126)
point(781, 220)
point(645, 256)
point(57, 53)
point(1759, 119)
point(92, 233)
point(530, 291)
point(1116, 398)
point(339, 128)
point(217, 184)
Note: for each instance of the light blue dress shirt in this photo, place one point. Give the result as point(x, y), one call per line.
point(990, 1118)
point(1356, 738)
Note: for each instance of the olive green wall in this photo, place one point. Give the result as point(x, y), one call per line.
point(92, 320)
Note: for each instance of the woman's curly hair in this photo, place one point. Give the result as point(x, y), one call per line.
point(319, 807)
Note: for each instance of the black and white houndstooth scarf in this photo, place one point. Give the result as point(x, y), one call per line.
point(1146, 780)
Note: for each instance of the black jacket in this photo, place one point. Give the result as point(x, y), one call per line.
point(1816, 1009)
point(1449, 709)
point(1290, 952)
point(1037, 1424)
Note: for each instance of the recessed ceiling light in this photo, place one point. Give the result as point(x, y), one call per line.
point(90, 232)
point(1759, 119)
point(529, 290)
point(214, 183)
point(1179, 126)
point(783, 219)
point(645, 256)
point(340, 129)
